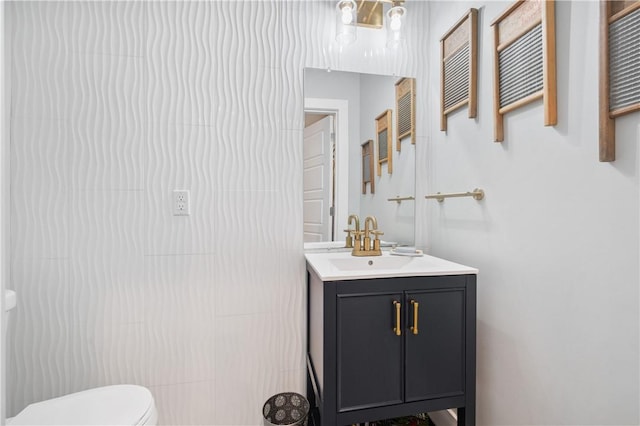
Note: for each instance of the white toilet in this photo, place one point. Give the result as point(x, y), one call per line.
point(108, 405)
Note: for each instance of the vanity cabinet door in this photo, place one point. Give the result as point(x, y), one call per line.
point(435, 356)
point(369, 351)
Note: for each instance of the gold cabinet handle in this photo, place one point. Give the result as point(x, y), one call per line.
point(414, 327)
point(397, 328)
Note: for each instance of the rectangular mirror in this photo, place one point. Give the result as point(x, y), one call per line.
point(341, 112)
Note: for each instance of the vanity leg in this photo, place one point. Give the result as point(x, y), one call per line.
point(311, 396)
point(461, 416)
point(466, 416)
point(314, 419)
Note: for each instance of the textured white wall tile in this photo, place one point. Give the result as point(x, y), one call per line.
point(292, 310)
point(106, 312)
point(40, 60)
point(248, 352)
point(185, 403)
point(40, 338)
point(114, 353)
point(106, 222)
point(245, 220)
point(248, 96)
point(180, 157)
point(247, 278)
point(179, 48)
point(40, 151)
point(179, 319)
point(39, 223)
point(107, 110)
point(255, 149)
point(107, 289)
point(106, 27)
point(293, 381)
point(246, 64)
point(290, 195)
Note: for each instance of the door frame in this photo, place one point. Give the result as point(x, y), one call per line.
point(339, 108)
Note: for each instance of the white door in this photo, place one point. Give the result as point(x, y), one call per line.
point(318, 180)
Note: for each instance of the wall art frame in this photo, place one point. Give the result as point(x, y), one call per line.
point(459, 67)
point(619, 69)
point(525, 60)
point(405, 110)
point(383, 136)
point(367, 167)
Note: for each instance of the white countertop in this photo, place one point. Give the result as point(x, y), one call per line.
point(339, 266)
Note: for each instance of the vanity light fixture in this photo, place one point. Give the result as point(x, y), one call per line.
point(370, 14)
point(395, 18)
point(346, 21)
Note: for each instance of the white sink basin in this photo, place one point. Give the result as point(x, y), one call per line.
point(372, 263)
point(339, 266)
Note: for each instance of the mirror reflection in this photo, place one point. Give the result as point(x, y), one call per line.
point(349, 119)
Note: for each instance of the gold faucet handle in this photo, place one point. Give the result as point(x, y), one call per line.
point(376, 233)
point(357, 240)
point(376, 242)
point(349, 239)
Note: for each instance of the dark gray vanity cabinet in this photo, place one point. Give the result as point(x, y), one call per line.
point(371, 358)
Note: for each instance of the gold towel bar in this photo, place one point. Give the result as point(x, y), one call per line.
point(401, 199)
point(477, 194)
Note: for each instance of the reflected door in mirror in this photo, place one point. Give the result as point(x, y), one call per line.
point(318, 181)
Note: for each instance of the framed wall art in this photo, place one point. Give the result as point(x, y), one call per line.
point(619, 68)
point(405, 110)
point(459, 67)
point(525, 60)
point(367, 167)
point(383, 135)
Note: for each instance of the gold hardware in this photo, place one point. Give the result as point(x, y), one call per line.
point(354, 217)
point(414, 327)
point(349, 239)
point(357, 244)
point(399, 199)
point(397, 328)
point(376, 241)
point(370, 12)
point(366, 243)
point(477, 194)
point(364, 246)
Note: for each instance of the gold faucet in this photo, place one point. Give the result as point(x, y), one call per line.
point(367, 248)
point(349, 240)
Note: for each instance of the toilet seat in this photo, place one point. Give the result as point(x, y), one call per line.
point(109, 405)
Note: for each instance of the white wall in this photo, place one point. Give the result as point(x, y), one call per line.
point(556, 239)
point(116, 104)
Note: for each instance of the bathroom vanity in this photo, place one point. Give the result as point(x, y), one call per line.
point(390, 336)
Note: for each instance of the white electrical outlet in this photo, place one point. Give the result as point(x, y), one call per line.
point(181, 204)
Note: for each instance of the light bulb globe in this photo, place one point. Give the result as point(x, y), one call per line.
point(395, 23)
point(347, 15)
